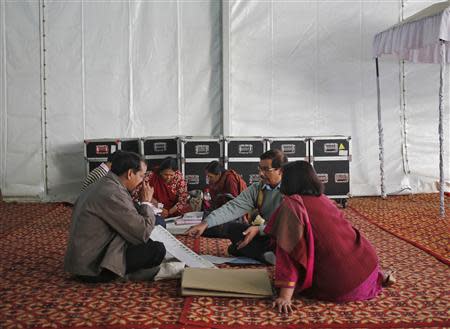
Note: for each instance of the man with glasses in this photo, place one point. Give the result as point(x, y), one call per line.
point(263, 198)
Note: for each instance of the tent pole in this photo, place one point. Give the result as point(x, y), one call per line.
point(380, 133)
point(441, 129)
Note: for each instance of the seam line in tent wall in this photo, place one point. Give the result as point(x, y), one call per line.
point(180, 71)
point(269, 122)
point(225, 62)
point(316, 72)
point(226, 69)
point(361, 56)
point(130, 125)
point(3, 96)
point(44, 109)
point(447, 119)
point(83, 73)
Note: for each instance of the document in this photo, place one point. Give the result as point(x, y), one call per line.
point(178, 249)
point(252, 283)
point(194, 217)
point(177, 229)
point(172, 219)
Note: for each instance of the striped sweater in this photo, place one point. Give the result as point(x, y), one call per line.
point(95, 175)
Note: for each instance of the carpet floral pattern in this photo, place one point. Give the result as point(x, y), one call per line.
point(414, 218)
point(35, 292)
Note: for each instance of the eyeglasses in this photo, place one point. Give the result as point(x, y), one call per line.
point(266, 169)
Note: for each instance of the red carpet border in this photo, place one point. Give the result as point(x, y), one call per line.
point(36, 293)
point(413, 218)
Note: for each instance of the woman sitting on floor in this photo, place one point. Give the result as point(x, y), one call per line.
point(318, 252)
point(170, 188)
point(224, 185)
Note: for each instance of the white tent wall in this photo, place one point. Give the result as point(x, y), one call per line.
point(65, 91)
point(305, 68)
point(201, 39)
point(112, 69)
point(21, 165)
point(139, 68)
point(422, 85)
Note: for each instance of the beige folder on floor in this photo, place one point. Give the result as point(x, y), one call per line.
point(253, 283)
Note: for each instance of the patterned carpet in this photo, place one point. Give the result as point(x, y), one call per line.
point(413, 218)
point(36, 293)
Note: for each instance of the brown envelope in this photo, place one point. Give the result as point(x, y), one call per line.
point(253, 283)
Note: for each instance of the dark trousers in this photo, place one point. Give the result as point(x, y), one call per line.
point(137, 257)
point(255, 249)
point(220, 231)
point(144, 255)
point(160, 221)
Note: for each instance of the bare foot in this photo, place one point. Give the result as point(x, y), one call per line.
point(388, 278)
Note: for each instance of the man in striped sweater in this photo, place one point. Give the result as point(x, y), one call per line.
point(98, 172)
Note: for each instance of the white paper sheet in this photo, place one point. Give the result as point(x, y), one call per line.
point(179, 250)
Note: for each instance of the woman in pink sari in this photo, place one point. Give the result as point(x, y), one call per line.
point(170, 188)
point(318, 252)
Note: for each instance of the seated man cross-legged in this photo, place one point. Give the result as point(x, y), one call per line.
point(109, 235)
point(264, 197)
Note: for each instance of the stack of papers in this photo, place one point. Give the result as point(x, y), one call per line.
point(251, 283)
point(155, 210)
point(177, 229)
point(190, 218)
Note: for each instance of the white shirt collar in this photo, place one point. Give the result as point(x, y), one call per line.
point(270, 188)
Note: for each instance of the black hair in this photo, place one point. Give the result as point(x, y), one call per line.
point(112, 156)
point(214, 167)
point(277, 156)
point(123, 161)
point(299, 177)
point(168, 163)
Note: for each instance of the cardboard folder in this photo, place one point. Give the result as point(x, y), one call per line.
point(252, 283)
